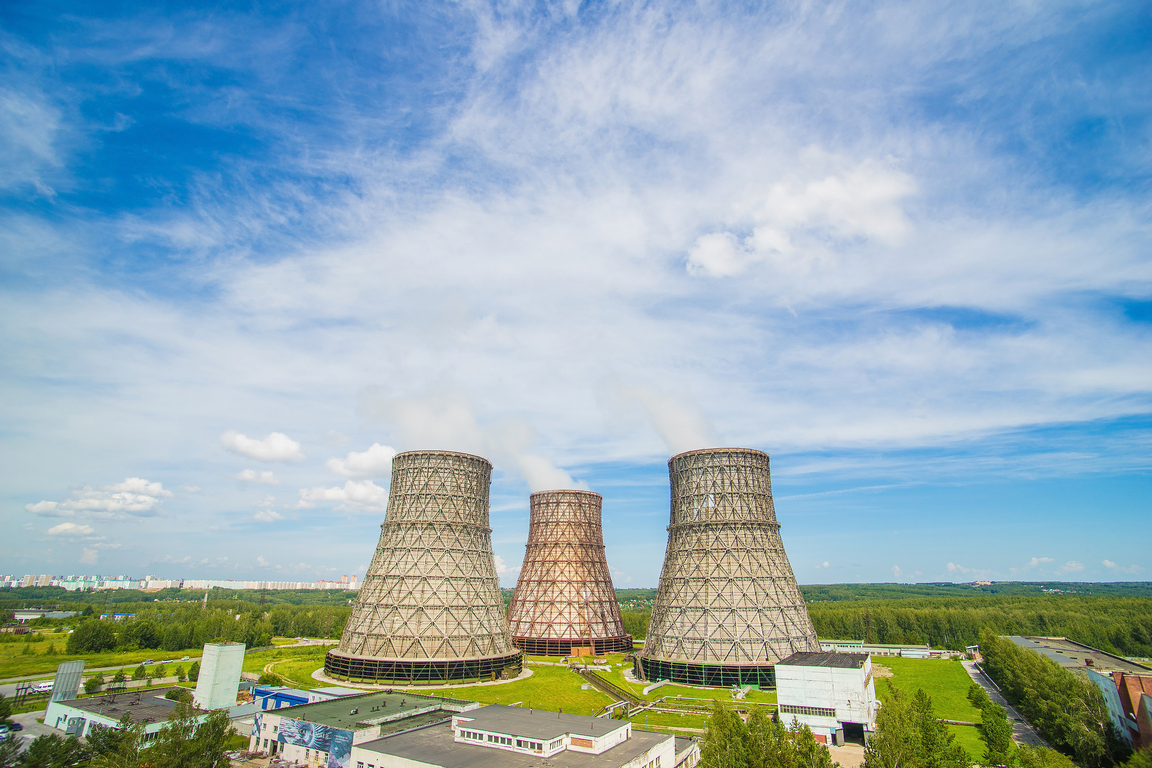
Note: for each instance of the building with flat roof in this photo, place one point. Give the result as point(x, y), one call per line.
point(514, 737)
point(78, 716)
point(278, 696)
point(1079, 657)
point(323, 732)
point(832, 693)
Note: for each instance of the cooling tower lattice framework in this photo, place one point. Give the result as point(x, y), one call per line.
point(429, 609)
point(564, 602)
point(728, 606)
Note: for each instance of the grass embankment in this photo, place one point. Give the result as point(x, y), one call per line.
point(294, 665)
point(947, 683)
point(549, 688)
point(616, 677)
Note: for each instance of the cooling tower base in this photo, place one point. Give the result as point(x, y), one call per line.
point(423, 671)
point(713, 675)
point(546, 646)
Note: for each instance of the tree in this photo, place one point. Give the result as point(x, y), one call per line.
point(183, 743)
point(896, 742)
point(997, 734)
point(103, 741)
point(724, 740)
point(1042, 757)
point(1141, 759)
point(94, 683)
point(194, 672)
point(270, 678)
point(978, 696)
point(54, 751)
point(9, 751)
point(180, 676)
point(768, 745)
point(809, 753)
point(5, 708)
point(119, 677)
point(91, 636)
point(179, 694)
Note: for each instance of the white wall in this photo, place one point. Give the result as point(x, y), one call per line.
point(219, 678)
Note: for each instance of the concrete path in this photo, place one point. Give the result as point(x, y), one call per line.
point(1022, 732)
point(89, 670)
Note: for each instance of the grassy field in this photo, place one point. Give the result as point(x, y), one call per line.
point(549, 688)
point(945, 681)
point(616, 676)
point(13, 664)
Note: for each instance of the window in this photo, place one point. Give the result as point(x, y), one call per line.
point(265, 743)
point(274, 728)
point(504, 740)
point(790, 709)
point(359, 764)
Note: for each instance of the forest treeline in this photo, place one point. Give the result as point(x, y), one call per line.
point(1119, 625)
point(174, 627)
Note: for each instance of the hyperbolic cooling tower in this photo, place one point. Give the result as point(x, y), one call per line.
point(564, 602)
point(728, 607)
point(429, 608)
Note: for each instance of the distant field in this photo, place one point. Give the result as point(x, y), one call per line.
point(12, 664)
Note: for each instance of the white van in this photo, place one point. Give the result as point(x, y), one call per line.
point(42, 687)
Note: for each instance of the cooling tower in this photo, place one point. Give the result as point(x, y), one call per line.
point(564, 602)
point(727, 607)
point(429, 609)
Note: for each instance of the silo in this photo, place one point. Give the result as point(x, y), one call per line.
point(564, 602)
point(429, 609)
point(728, 606)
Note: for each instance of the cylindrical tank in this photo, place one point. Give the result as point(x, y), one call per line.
point(564, 602)
point(728, 606)
point(429, 609)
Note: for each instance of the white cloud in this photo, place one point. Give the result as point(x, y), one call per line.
point(275, 447)
point(501, 568)
point(71, 529)
point(897, 572)
point(953, 568)
point(542, 475)
point(1133, 569)
point(135, 496)
point(89, 557)
point(267, 516)
point(372, 463)
point(261, 561)
point(260, 478)
point(363, 494)
point(1035, 562)
point(1071, 567)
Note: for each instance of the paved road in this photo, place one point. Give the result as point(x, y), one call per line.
point(1022, 732)
point(32, 729)
point(87, 670)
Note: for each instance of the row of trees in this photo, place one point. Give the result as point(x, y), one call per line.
point(177, 627)
point(1114, 624)
point(182, 743)
point(762, 742)
point(1068, 710)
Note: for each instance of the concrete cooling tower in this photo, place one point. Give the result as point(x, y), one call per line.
point(429, 609)
point(727, 607)
point(564, 603)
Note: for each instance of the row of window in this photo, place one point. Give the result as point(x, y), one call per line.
point(524, 744)
point(791, 709)
point(504, 740)
point(472, 735)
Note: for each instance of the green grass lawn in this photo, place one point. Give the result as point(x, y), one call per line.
point(616, 676)
point(945, 681)
point(669, 720)
point(257, 660)
point(969, 737)
point(549, 688)
point(12, 664)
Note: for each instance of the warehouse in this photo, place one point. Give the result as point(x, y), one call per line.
point(832, 693)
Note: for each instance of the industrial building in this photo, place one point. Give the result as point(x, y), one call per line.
point(832, 693)
point(278, 696)
point(430, 609)
point(565, 604)
point(513, 737)
point(727, 607)
point(78, 716)
point(1078, 657)
point(323, 733)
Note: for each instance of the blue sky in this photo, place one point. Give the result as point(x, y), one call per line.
point(247, 251)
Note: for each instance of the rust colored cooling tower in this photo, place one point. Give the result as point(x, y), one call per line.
point(564, 603)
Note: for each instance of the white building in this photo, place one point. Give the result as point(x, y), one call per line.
point(219, 678)
point(78, 716)
point(832, 693)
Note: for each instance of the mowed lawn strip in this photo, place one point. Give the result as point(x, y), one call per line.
point(945, 681)
point(14, 665)
point(549, 688)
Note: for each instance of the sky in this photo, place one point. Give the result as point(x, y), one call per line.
point(248, 251)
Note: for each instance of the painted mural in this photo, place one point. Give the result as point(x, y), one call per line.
point(335, 741)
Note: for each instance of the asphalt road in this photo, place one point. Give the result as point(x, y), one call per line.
point(1022, 732)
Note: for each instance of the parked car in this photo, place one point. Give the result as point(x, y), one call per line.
point(183, 658)
point(15, 726)
point(42, 687)
point(148, 661)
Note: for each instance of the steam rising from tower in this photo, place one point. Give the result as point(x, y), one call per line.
point(430, 608)
point(728, 606)
point(564, 602)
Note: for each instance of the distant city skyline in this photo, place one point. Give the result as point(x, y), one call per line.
point(249, 254)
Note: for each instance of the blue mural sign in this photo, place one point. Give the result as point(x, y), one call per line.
point(324, 738)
